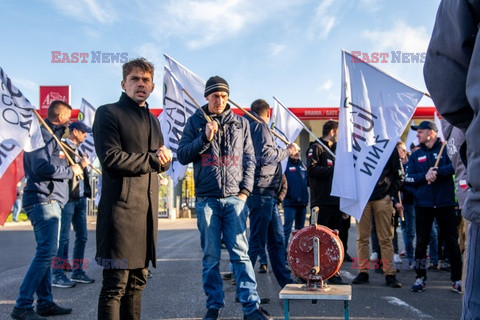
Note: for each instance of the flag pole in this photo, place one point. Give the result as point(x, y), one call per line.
point(306, 129)
point(70, 160)
point(188, 94)
point(258, 120)
point(79, 156)
point(208, 118)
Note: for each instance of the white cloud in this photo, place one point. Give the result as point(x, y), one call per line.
point(326, 86)
point(324, 19)
point(276, 49)
point(204, 23)
point(401, 36)
point(370, 5)
point(87, 10)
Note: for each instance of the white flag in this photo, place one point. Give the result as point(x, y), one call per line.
point(437, 121)
point(286, 124)
point(177, 108)
point(19, 127)
point(375, 109)
point(192, 83)
point(87, 115)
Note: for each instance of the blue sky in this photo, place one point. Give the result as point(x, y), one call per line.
point(289, 49)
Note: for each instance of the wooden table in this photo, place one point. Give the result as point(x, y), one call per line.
point(298, 292)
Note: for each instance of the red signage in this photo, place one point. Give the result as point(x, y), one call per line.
point(327, 113)
point(51, 93)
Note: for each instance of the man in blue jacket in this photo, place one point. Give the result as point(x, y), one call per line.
point(218, 143)
point(265, 222)
point(296, 199)
point(45, 194)
point(434, 198)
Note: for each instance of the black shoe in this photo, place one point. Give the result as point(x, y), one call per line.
point(336, 280)
point(259, 314)
point(347, 258)
point(433, 267)
point(25, 314)
point(149, 275)
point(263, 268)
point(53, 309)
point(361, 278)
point(392, 281)
point(212, 314)
point(227, 276)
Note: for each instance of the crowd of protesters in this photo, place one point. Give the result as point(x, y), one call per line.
point(417, 191)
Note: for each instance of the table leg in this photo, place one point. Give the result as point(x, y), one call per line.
point(286, 309)
point(345, 309)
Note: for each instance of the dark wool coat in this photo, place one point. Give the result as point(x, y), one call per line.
point(127, 137)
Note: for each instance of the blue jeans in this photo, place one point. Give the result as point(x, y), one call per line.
point(433, 244)
point(408, 230)
point(266, 229)
point(17, 207)
point(262, 258)
point(227, 216)
point(293, 213)
point(75, 213)
point(471, 298)
point(45, 219)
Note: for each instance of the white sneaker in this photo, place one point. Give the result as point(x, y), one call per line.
point(396, 258)
point(374, 256)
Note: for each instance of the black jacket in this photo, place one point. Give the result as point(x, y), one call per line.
point(320, 164)
point(224, 166)
point(268, 169)
point(391, 179)
point(127, 138)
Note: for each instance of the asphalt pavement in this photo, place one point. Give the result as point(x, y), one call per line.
point(175, 291)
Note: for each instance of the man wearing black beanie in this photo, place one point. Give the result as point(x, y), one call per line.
point(218, 143)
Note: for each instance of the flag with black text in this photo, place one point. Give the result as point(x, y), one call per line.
point(375, 108)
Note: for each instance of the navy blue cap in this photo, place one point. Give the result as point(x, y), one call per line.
point(426, 125)
point(80, 126)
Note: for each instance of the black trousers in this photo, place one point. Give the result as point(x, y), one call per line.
point(121, 294)
point(447, 222)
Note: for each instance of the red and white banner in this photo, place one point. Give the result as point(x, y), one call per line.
point(52, 93)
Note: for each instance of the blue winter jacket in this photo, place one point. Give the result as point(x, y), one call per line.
point(297, 192)
point(47, 171)
point(441, 192)
point(268, 170)
point(224, 166)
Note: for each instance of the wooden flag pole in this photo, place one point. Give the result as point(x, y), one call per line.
point(77, 155)
point(70, 160)
point(258, 120)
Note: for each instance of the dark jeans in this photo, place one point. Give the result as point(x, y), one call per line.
point(291, 214)
point(447, 223)
point(266, 229)
point(121, 294)
point(344, 233)
point(330, 217)
point(75, 213)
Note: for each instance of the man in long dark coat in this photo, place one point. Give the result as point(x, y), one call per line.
point(130, 148)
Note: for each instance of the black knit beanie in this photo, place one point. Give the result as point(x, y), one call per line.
point(215, 84)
